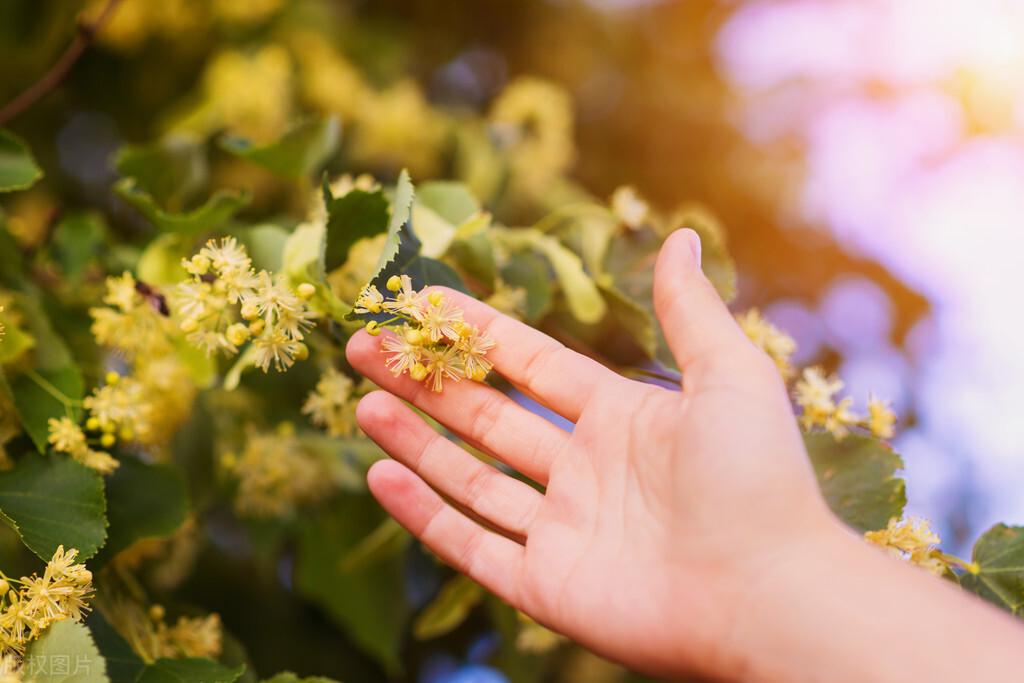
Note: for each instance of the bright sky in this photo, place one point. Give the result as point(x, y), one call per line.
point(911, 117)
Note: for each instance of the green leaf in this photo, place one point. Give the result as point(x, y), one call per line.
point(633, 318)
point(450, 200)
point(266, 244)
point(350, 218)
point(16, 341)
point(191, 670)
point(401, 212)
point(18, 169)
point(716, 262)
point(580, 291)
point(289, 677)
point(857, 476)
point(368, 603)
point(474, 255)
point(297, 154)
point(450, 608)
point(77, 240)
point(387, 540)
point(52, 501)
point(143, 501)
point(217, 210)
point(160, 262)
point(64, 653)
point(170, 170)
point(532, 273)
point(999, 558)
point(37, 398)
point(123, 665)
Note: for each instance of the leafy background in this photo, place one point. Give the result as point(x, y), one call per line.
point(661, 101)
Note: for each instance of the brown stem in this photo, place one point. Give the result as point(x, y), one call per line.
point(84, 36)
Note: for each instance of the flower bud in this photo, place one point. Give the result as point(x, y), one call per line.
point(257, 326)
point(156, 612)
point(435, 298)
point(375, 307)
point(112, 377)
point(301, 351)
point(250, 311)
point(126, 434)
point(4, 587)
point(92, 424)
point(108, 427)
point(189, 325)
point(394, 283)
point(373, 328)
point(108, 440)
point(418, 372)
point(414, 336)
point(305, 291)
point(479, 375)
point(237, 334)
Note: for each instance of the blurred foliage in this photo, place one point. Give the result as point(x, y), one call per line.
point(287, 126)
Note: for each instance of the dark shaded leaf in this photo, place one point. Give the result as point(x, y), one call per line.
point(52, 501)
point(999, 558)
point(143, 501)
point(192, 670)
point(858, 478)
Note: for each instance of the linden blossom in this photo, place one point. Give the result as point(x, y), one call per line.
point(432, 342)
point(29, 605)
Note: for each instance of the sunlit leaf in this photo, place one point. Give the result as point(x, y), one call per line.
point(298, 153)
point(387, 540)
point(212, 215)
point(64, 653)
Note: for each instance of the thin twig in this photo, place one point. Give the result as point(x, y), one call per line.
point(83, 37)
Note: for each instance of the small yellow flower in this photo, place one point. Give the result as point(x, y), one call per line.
point(442, 364)
point(911, 540)
point(402, 354)
point(881, 418)
point(65, 435)
point(629, 208)
point(370, 300)
point(770, 339)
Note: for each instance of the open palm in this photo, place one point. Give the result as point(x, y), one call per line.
point(660, 510)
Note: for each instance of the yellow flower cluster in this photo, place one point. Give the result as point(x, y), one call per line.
point(770, 339)
point(629, 207)
point(815, 394)
point(225, 303)
point(148, 406)
point(333, 403)
point(150, 636)
point(911, 540)
point(29, 605)
point(134, 323)
point(532, 120)
point(276, 472)
point(67, 437)
point(432, 342)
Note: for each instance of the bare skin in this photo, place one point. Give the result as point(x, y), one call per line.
point(680, 532)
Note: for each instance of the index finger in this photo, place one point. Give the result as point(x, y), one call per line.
point(539, 366)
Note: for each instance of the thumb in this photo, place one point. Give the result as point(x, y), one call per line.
point(695, 320)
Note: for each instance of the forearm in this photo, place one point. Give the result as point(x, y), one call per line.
point(850, 613)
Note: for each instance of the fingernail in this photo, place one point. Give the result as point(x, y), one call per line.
point(694, 240)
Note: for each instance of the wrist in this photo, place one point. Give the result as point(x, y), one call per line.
point(787, 605)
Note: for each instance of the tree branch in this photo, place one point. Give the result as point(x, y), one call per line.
point(86, 32)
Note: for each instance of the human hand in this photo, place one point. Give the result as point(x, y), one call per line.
point(662, 510)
